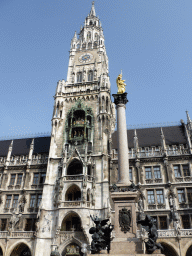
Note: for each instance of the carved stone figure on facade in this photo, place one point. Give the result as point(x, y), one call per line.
point(46, 223)
point(95, 74)
point(149, 225)
point(101, 235)
point(22, 202)
point(14, 221)
point(120, 84)
point(84, 181)
point(177, 227)
point(125, 219)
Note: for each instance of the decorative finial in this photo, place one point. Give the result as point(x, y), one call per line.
point(188, 117)
point(120, 84)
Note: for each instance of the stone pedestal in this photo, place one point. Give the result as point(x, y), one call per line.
point(125, 241)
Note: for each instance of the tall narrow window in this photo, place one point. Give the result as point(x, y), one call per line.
point(186, 171)
point(8, 201)
point(3, 224)
point(15, 201)
point(185, 221)
point(19, 178)
point(163, 222)
point(160, 197)
point(32, 201)
point(177, 171)
point(12, 180)
point(79, 77)
point(130, 174)
point(39, 197)
point(36, 178)
point(181, 195)
point(150, 197)
point(42, 178)
point(189, 195)
point(157, 172)
point(90, 76)
point(148, 174)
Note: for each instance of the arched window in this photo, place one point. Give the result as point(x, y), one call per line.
point(84, 46)
point(88, 195)
point(91, 23)
point(75, 168)
point(89, 35)
point(96, 36)
point(79, 77)
point(90, 76)
point(78, 46)
point(73, 194)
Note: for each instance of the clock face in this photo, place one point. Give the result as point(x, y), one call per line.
point(85, 57)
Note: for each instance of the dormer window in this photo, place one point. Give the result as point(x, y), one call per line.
point(79, 77)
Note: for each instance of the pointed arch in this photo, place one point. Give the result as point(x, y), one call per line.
point(73, 193)
point(169, 249)
point(75, 167)
point(22, 247)
point(71, 220)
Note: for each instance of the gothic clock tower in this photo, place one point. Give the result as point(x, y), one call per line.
point(77, 181)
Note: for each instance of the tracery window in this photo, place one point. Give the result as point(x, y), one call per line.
point(89, 35)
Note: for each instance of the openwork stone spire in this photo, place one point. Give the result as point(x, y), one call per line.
point(92, 12)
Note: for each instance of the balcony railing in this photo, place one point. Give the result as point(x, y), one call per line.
point(77, 177)
point(39, 161)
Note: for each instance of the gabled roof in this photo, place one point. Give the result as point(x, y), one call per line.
point(147, 137)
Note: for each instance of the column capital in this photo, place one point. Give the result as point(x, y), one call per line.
point(120, 98)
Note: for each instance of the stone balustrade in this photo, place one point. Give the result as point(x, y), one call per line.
point(153, 153)
point(17, 234)
point(170, 233)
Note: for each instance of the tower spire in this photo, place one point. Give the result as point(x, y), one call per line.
point(188, 117)
point(92, 12)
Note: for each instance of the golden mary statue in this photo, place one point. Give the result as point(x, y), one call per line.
point(120, 84)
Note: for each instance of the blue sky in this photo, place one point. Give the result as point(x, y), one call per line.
point(150, 40)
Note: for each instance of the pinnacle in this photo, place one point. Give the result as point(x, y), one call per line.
point(92, 12)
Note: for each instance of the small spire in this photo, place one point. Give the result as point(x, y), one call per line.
point(188, 117)
point(75, 36)
point(92, 12)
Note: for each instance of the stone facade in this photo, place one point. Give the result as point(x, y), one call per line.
point(51, 185)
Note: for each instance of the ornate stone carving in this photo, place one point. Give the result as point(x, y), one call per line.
point(125, 219)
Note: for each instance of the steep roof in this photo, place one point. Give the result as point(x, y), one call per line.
point(22, 146)
point(148, 137)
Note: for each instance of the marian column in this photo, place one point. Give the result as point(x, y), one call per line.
point(120, 100)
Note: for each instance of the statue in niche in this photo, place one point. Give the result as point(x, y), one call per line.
point(120, 84)
point(149, 225)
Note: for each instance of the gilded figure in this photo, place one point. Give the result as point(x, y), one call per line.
point(120, 84)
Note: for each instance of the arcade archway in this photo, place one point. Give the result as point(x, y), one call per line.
point(189, 251)
point(1, 252)
point(21, 250)
point(168, 250)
